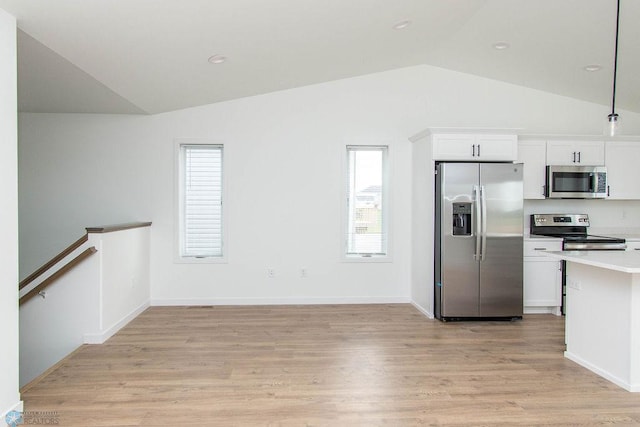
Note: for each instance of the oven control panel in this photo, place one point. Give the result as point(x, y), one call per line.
point(560, 220)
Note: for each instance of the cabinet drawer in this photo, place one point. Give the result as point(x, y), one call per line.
point(537, 248)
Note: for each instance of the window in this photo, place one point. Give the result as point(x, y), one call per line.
point(200, 188)
point(366, 201)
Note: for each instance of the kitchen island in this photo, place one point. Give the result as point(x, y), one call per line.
point(603, 313)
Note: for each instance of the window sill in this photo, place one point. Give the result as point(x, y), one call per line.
point(366, 259)
point(194, 260)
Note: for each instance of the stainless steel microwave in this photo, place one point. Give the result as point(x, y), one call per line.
point(576, 182)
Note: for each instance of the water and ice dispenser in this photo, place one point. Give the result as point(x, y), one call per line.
point(462, 219)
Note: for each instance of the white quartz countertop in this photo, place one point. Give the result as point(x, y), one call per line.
point(626, 236)
point(625, 261)
point(632, 235)
point(537, 238)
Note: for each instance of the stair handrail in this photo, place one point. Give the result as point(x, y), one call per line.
point(75, 245)
point(66, 252)
point(59, 273)
point(56, 259)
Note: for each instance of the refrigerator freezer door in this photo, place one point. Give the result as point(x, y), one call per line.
point(501, 266)
point(459, 292)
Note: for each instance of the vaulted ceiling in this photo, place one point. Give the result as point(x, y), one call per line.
point(151, 56)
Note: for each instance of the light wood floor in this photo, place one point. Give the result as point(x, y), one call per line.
point(328, 365)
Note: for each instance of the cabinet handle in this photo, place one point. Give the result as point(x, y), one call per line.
point(608, 191)
point(544, 190)
point(478, 150)
point(574, 157)
point(473, 152)
point(578, 156)
point(636, 249)
point(539, 249)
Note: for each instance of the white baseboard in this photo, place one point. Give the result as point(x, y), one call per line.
point(604, 374)
point(422, 310)
point(542, 310)
point(101, 338)
point(279, 301)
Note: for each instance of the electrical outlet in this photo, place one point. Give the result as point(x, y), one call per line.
point(271, 273)
point(303, 272)
point(574, 284)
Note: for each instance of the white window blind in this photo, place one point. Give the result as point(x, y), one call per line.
point(366, 200)
point(201, 222)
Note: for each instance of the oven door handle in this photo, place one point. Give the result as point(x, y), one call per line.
point(586, 246)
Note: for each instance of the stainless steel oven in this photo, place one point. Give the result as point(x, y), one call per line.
point(576, 182)
point(572, 229)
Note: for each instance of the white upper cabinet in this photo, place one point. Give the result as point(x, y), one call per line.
point(533, 155)
point(623, 171)
point(575, 153)
point(480, 148)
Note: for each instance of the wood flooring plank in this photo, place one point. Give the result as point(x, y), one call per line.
point(334, 365)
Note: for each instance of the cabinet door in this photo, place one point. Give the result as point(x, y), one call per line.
point(591, 153)
point(542, 282)
point(454, 147)
point(561, 153)
point(475, 147)
point(533, 155)
point(623, 173)
point(587, 153)
point(542, 276)
point(497, 147)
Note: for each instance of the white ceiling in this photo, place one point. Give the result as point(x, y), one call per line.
point(150, 56)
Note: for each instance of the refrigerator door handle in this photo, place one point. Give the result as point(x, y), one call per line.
point(478, 225)
point(483, 198)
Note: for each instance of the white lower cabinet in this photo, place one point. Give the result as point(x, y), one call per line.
point(542, 277)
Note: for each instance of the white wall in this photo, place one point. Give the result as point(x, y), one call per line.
point(9, 396)
point(422, 227)
point(283, 167)
point(55, 326)
point(124, 266)
point(89, 303)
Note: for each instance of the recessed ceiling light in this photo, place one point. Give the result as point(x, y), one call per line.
point(217, 59)
point(501, 45)
point(592, 68)
point(401, 25)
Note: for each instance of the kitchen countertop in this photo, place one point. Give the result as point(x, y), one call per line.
point(528, 236)
point(624, 261)
point(626, 236)
point(633, 235)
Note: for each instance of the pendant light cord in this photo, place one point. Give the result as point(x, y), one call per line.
point(615, 61)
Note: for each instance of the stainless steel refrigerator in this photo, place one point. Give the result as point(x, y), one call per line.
point(478, 241)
